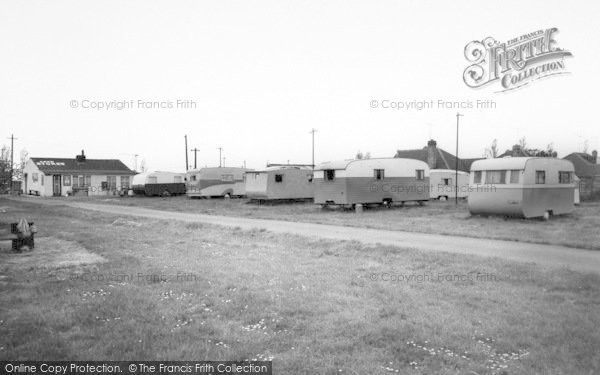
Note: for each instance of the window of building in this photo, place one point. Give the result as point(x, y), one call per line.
point(540, 177)
point(75, 182)
point(378, 174)
point(278, 178)
point(420, 174)
point(495, 177)
point(514, 176)
point(565, 177)
point(111, 182)
point(87, 181)
point(35, 177)
point(329, 174)
point(477, 177)
point(67, 180)
point(124, 182)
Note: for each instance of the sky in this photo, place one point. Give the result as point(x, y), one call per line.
point(258, 76)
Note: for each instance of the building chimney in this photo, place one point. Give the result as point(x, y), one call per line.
point(516, 151)
point(80, 158)
point(432, 153)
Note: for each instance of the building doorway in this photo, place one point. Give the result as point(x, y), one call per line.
point(56, 185)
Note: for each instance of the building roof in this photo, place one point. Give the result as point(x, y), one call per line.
point(509, 163)
point(583, 164)
point(444, 159)
point(281, 168)
point(89, 166)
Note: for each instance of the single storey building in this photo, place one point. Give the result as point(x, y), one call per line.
point(77, 176)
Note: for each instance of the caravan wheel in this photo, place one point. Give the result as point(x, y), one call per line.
point(227, 196)
point(443, 198)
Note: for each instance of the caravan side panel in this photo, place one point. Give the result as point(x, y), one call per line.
point(330, 191)
point(295, 184)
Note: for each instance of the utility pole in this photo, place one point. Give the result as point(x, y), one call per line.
point(224, 161)
point(186, 154)
point(195, 156)
point(135, 162)
point(12, 163)
point(456, 170)
point(220, 151)
point(313, 131)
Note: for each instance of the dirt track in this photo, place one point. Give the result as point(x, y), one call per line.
point(545, 255)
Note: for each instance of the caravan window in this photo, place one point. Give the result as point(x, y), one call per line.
point(278, 178)
point(565, 177)
point(420, 174)
point(227, 177)
point(514, 176)
point(178, 179)
point(193, 177)
point(447, 181)
point(153, 180)
point(477, 177)
point(329, 174)
point(540, 177)
point(310, 177)
point(378, 174)
point(495, 177)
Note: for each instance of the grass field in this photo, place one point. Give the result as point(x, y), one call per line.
point(579, 229)
point(105, 287)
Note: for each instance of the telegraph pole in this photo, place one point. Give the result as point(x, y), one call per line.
point(12, 163)
point(186, 154)
point(220, 151)
point(224, 161)
point(456, 170)
point(313, 131)
point(195, 156)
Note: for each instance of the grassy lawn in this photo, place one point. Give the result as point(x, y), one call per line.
point(579, 229)
point(105, 287)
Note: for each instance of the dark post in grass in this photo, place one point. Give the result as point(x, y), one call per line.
point(456, 165)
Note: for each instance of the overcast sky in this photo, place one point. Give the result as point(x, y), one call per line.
point(263, 73)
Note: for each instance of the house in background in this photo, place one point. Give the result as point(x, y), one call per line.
point(436, 157)
point(518, 152)
point(78, 176)
point(588, 171)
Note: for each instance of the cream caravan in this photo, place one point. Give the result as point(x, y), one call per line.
point(443, 184)
point(522, 187)
point(384, 181)
point(225, 182)
point(284, 182)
